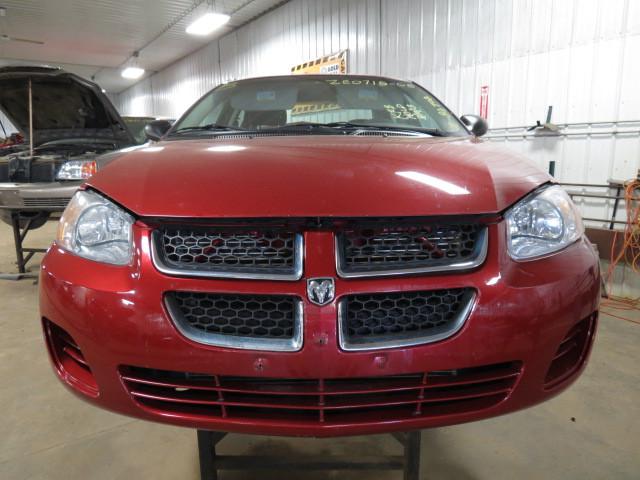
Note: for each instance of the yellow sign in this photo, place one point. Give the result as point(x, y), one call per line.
point(305, 108)
point(335, 64)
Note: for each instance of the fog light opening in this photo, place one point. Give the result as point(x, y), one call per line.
point(69, 360)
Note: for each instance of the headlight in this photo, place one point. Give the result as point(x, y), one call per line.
point(542, 224)
point(77, 170)
point(92, 227)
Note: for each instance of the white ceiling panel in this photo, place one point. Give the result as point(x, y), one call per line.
point(96, 37)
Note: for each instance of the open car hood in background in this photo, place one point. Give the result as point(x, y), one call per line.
point(65, 106)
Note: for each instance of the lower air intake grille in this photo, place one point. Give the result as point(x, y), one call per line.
point(325, 401)
point(386, 320)
point(233, 252)
point(68, 358)
point(572, 352)
point(266, 322)
point(55, 202)
point(404, 246)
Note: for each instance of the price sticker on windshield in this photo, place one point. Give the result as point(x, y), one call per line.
point(405, 112)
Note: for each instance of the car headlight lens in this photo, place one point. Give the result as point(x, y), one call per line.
point(542, 224)
point(77, 170)
point(93, 227)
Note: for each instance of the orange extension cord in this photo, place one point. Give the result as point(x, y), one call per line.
point(629, 252)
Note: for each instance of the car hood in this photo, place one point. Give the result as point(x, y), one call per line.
point(65, 106)
point(317, 176)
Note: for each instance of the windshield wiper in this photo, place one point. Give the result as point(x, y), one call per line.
point(346, 128)
point(349, 128)
point(434, 132)
point(207, 128)
point(298, 126)
point(316, 126)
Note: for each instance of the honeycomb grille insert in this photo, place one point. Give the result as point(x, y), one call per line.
point(385, 320)
point(384, 247)
point(271, 322)
point(229, 252)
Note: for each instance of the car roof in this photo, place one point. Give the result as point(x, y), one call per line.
point(317, 77)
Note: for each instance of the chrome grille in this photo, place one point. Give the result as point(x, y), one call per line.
point(265, 322)
point(385, 247)
point(260, 252)
point(386, 320)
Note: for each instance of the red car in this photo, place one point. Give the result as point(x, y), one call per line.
point(319, 255)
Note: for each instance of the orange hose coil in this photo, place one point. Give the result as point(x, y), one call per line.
point(629, 251)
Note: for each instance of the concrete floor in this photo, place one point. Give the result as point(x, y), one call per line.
point(592, 431)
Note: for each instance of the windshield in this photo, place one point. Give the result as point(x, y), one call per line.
point(318, 101)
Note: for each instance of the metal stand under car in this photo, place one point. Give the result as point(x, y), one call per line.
point(30, 222)
point(23, 254)
point(211, 463)
point(18, 238)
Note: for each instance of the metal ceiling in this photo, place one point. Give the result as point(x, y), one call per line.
point(94, 38)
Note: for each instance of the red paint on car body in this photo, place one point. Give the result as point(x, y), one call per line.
point(522, 313)
point(318, 176)
point(113, 342)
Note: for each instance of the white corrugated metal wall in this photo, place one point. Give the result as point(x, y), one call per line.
point(298, 31)
point(578, 55)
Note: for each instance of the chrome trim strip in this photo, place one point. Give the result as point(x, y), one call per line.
point(482, 247)
point(296, 274)
point(292, 344)
point(406, 342)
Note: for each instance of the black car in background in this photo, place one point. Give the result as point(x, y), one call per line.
point(72, 124)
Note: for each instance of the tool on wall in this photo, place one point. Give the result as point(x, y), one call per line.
point(547, 126)
point(547, 129)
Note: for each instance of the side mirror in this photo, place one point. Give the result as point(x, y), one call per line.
point(155, 130)
point(476, 124)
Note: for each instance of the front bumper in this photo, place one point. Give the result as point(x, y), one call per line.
point(49, 197)
point(522, 314)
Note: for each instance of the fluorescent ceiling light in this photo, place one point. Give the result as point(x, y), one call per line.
point(207, 23)
point(132, 72)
